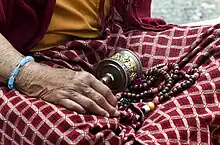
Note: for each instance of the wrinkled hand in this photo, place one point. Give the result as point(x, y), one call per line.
point(77, 91)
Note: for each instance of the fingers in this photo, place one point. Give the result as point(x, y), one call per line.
point(61, 97)
point(82, 92)
point(71, 105)
point(104, 90)
point(100, 101)
point(88, 104)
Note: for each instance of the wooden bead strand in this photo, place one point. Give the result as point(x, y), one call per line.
point(146, 90)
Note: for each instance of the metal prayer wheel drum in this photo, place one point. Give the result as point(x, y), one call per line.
point(118, 71)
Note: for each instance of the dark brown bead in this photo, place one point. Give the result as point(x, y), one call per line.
point(195, 70)
point(160, 71)
point(135, 86)
point(167, 76)
point(175, 77)
point(125, 94)
point(160, 94)
point(164, 91)
point(179, 88)
point(146, 74)
point(160, 65)
point(175, 90)
point(149, 82)
point(171, 93)
point(152, 78)
point(140, 86)
point(194, 77)
point(141, 94)
point(150, 91)
point(154, 70)
point(133, 95)
point(145, 93)
point(132, 87)
point(170, 65)
point(169, 85)
point(176, 68)
point(160, 87)
point(182, 86)
point(134, 101)
point(161, 98)
point(192, 80)
point(166, 88)
point(176, 71)
point(180, 77)
point(187, 76)
point(170, 79)
point(188, 82)
point(163, 72)
point(145, 85)
point(147, 77)
point(137, 96)
point(143, 77)
point(129, 95)
point(166, 97)
point(149, 72)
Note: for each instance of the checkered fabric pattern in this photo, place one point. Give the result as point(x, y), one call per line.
point(193, 117)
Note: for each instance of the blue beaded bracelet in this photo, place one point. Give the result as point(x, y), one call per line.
point(16, 70)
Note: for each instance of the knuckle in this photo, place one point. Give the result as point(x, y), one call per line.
point(108, 92)
point(87, 90)
point(53, 98)
point(99, 99)
point(85, 76)
point(90, 76)
point(89, 104)
point(61, 102)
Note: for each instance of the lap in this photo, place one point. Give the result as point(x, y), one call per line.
point(190, 117)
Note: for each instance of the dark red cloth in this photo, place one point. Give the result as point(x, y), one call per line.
point(191, 117)
point(24, 22)
point(136, 14)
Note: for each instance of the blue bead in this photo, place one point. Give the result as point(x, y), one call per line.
point(16, 70)
point(11, 82)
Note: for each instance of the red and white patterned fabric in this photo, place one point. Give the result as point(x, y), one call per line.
point(193, 117)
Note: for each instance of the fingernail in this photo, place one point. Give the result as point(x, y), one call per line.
point(107, 115)
point(116, 106)
point(117, 113)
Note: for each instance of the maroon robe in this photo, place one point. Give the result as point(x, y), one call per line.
point(24, 22)
point(137, 15)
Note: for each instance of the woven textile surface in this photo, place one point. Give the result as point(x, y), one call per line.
point(193, 117)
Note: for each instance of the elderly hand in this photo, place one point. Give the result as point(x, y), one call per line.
point(77, 91)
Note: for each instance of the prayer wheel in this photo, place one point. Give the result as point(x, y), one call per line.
point(119, 70)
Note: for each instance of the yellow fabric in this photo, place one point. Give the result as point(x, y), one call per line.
point(79, 18)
